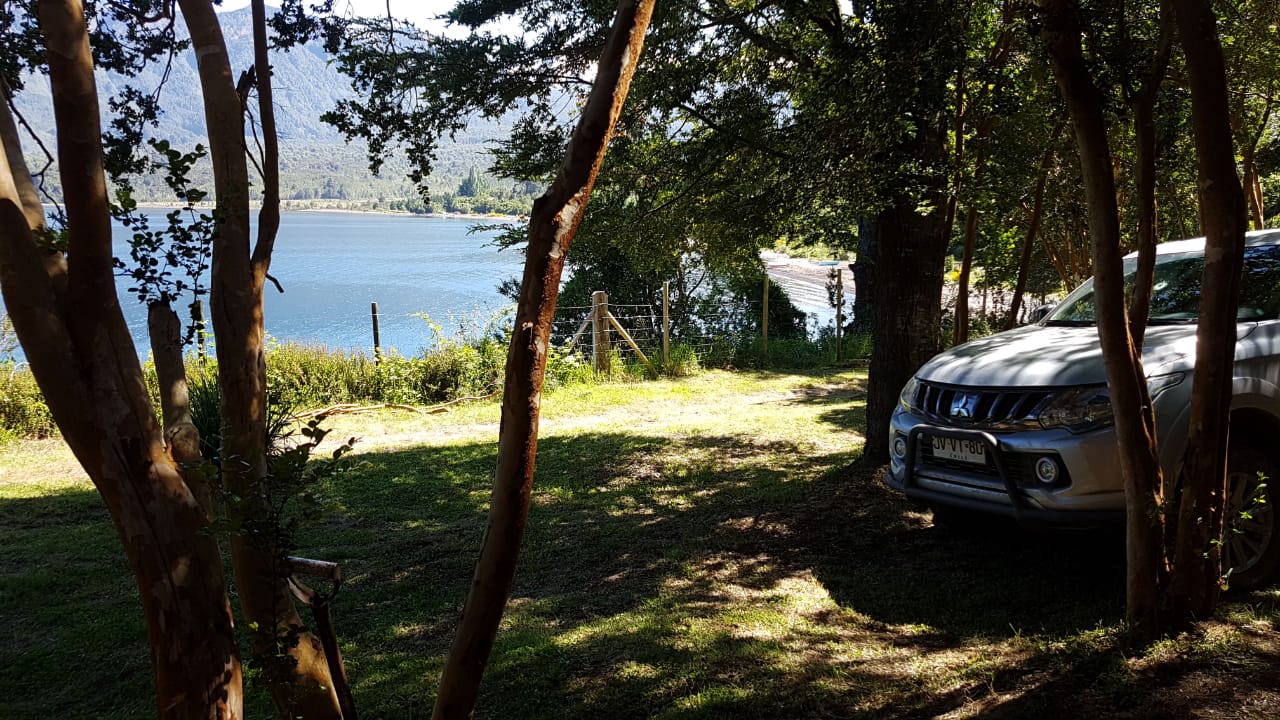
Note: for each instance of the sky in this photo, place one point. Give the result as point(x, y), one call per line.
point(420, 12)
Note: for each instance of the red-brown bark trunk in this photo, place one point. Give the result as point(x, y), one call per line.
point(1135, 425)
point(235, 299)
point(555, 219)
point(88, 370)
point(1196, 577)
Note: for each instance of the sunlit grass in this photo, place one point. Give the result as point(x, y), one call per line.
point(697, 548)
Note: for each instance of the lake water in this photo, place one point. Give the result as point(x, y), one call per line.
point(333, 265)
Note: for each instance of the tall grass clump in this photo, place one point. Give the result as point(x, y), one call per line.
point(312, 375)
point(23, 412)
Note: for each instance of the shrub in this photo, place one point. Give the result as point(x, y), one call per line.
point(312, 375)
point(682, 361)
point(23, 412)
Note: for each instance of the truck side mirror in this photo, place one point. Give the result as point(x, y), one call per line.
point(1038, 314)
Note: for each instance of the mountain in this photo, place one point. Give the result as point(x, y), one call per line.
point(315, 161)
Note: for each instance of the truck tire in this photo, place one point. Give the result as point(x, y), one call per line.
point(1251, 525)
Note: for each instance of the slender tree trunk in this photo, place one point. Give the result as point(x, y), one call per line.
point(1194, 583)
point(1144, 130)
point(180, 434)
point(995, 62)
point(1253, 188)
point(961, 110)
point(1135, 424)
point(87, 367)
point(1033, 229)
point(1059, 264)
point(235, 301)
point(960, 333)
point(554, 221)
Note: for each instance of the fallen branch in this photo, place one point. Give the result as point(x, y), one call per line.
point(352, 409)
point(443, 407)
point(355, 409)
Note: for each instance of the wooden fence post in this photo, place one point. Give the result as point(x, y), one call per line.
point(764, 322)
point(197, 319)
point(600, 331)
point(666, 324)
point(377, 339)
point(839, 309)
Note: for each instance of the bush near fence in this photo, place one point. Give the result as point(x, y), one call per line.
point(307, 376)
point(22, 409)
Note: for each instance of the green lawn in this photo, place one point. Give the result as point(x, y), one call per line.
point(697, 548)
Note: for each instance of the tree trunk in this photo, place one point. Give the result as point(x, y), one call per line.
point(908, 317)
point(1144, 131)
point(960, 333)
point(864, 279)
point(88, 371)
point(1033, 229)
point(235, 299)
point(552, 225)
point(1131, 404)
point(180, 434)
point(1253, 188)
point(1194, 583)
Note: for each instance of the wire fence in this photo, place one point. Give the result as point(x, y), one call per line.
point(713, 328)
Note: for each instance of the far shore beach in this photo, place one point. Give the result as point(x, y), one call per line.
point(285, 206)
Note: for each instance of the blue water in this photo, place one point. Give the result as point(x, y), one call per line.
point(333, 265)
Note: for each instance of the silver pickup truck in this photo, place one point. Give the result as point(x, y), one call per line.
point(1019, 424)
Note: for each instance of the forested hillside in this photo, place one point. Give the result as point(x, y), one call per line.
point(318, 167)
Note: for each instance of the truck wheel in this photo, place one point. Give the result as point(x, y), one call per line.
point(1251, 535)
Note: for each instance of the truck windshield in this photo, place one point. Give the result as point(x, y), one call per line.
point(1175, 292)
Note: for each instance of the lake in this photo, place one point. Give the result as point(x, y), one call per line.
point(332, 265)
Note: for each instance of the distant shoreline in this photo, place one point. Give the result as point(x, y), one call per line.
point(348, 211)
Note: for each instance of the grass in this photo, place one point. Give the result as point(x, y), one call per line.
point(697, 548)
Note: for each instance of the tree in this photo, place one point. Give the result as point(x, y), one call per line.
point(66, 314)
point(555, 219)
point(1126, 380)
point(1194, 581)
point(299, 682)
point(1163, 592)
point(752, 123)
point(84, 360)
point(474, 185)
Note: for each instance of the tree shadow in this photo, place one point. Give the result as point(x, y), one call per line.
point(706, 575)
point(635, 542)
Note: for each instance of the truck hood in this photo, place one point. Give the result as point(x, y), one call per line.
point(1049, 356)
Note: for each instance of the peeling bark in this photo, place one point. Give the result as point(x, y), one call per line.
point(87, 368)
point(235, 299)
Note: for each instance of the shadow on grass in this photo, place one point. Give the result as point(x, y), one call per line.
point(73, 641)
point(677, 577)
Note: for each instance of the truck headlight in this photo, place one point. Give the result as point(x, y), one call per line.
point(907, 399)
point(1088, 408)
point(1078, 409)
point(1160, 383)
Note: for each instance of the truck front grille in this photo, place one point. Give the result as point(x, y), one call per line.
point(985, 408)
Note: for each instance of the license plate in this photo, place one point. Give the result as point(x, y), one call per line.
point(961, 450)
